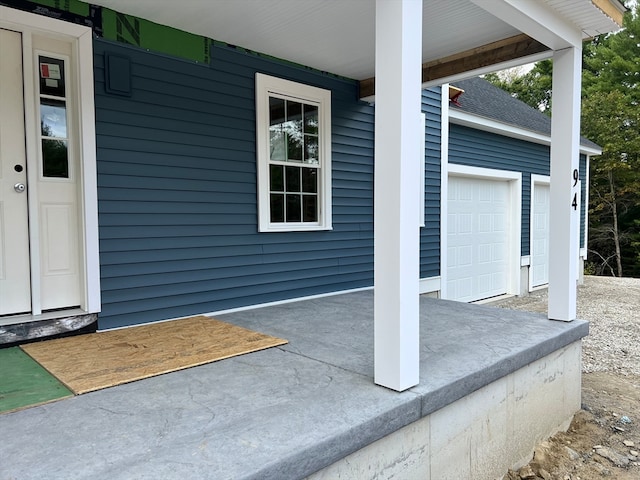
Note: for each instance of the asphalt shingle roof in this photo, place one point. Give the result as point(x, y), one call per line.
point(482, 98)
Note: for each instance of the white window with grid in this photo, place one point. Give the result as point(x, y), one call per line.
point(293, 124)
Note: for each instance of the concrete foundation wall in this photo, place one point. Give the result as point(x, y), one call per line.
point(481, 435)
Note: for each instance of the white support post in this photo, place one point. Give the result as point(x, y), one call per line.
point(564, 235)
point(397, 157)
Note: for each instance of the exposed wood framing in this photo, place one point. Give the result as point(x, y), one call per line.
point(490, 54)
point(611, 8)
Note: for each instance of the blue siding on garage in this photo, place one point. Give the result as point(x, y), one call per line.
point(583, 199)
point(430, 235)
point(477, 148)
point(177, 191)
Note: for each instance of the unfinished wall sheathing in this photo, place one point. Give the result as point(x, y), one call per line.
point(130, 30)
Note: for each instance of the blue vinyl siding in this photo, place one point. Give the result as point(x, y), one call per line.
point(430, 234)
point(583, 198)
point(177, 191)
point(468, 146)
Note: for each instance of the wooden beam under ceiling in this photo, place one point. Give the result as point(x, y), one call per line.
point(479, 57)
point(612, 8)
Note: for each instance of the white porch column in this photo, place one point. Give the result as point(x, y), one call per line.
point(397, 143)
point(564, 201)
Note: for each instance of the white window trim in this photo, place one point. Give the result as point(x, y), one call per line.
point(29, 24)
point(266, 85)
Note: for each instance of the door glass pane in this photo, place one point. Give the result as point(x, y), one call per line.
point(51, 76)
point(55, 162)
point(53, 118)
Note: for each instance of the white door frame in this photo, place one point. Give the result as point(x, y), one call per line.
point(515, 219)
point(80, 38)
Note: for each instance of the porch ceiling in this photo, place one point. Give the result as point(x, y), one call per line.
point(338, 36)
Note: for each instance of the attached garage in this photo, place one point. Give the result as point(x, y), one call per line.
point(483, 225)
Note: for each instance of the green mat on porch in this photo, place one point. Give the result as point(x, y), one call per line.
point(24, 383)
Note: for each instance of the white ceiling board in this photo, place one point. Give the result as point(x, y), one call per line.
point(337, 36)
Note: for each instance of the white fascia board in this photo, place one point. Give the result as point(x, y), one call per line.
point(478, 122)
point(536, 19)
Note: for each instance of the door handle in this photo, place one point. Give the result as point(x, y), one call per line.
point(19, 187)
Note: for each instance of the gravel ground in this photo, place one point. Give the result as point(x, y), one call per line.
point(612, 307)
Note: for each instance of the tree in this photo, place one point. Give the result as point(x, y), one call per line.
point(611, 121)
point(611, 118)
point(610, 106)
point(533, 88)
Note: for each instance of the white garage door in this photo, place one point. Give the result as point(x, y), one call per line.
point(540, 236)
point(478, 238)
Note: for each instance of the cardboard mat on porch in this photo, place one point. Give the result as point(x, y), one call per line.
point(85, 363)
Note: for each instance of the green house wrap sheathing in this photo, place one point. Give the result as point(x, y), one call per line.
point(152, 36)
point(73, 6)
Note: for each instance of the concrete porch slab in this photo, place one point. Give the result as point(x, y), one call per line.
point(282, 413)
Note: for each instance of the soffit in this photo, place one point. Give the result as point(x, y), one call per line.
point(337, 36)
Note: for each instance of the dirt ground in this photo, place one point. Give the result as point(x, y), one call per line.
point(603, 440)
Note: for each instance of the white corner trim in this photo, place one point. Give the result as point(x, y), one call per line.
point(478, 122)
point(423, 151)
point(444, 185)
point(429, 285)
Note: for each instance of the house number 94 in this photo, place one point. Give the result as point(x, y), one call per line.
point(576, 177)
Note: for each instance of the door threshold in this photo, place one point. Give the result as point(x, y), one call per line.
point(29, 318)
point(19, 329)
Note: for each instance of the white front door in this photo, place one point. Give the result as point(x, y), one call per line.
point(40, 248)
point(15, 290)
point(540, 235)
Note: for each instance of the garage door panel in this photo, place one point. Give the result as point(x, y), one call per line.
point(540, 236)
point(478, 244)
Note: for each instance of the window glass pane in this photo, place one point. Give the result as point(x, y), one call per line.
point(51, 76)
point(294, 131)
point(53, 118)
point(277, 207)
point(311, 119)
point(310, 208)
point(277, 136)
point(293, 179)
point(293, 208)
point(54, 158)
point(277, 178)
point(311, 149)
point(310, 180)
